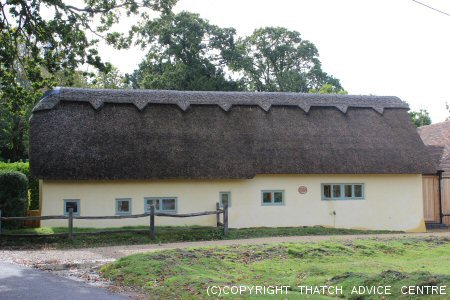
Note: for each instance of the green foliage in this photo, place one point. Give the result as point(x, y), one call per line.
point(275, 59)
point(13, 196)
point(420, 118)
point(35, 47)
point(15, 110)
point(186, 273)
point(33, 183)
point(73, 79)
point(111, 80)
point(186, 53)
point(329, 89)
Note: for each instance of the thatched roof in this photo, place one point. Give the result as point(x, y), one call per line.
point(437, 138)
point(141, 134)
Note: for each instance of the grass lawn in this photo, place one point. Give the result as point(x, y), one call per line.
point(163, 235)
point(186, 274)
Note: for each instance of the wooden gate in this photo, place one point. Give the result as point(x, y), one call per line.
point(446, 200)
point(431, 207)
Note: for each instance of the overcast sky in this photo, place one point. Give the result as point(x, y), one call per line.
point(380, 47)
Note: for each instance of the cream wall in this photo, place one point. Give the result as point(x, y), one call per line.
point(392, 202)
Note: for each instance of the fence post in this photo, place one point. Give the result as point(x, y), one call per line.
point(71, 224)
point(152, 222)
point(218, 214)
point(225, 218)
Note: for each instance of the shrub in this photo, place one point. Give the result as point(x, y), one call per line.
point(33, 183)
point(13, 196)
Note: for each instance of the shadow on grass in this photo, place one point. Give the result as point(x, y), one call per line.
point(135, 235)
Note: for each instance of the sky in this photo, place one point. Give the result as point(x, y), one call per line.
point(379, 47)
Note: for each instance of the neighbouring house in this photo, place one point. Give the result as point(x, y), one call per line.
point(278, 159)
point(436, 185)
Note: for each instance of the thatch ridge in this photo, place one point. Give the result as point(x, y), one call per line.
point(141, 98)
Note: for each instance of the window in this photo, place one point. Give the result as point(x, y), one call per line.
point(342, 191)
point(272, 197)
point(225, 197)
point(336, 191)
point(74, 204)
point(123, 206)
point(165, 204)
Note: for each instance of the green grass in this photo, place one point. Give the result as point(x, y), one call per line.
point(186, 274)
point(163, 235)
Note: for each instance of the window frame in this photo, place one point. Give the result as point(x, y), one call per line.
point(220, 199)
point(342, 189)
point(273, 203)
point(66, 213)
point(161, 199)
point(120, 213)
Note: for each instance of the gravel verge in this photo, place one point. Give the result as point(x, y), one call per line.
point(83, 264)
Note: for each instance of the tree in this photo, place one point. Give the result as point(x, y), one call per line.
point(329, 89)
point(102, 80)
point(277, 59)
point(186, 53)
point(420, 118)
point(111, 80)
point(34, 48)
point(75, 78)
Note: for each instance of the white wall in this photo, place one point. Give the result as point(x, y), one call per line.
point(392, 202)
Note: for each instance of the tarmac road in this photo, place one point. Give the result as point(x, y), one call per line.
point(18, 282)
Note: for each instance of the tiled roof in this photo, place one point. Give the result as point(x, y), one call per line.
point(438, 136)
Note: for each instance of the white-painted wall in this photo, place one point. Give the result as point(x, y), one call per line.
point(392, 202)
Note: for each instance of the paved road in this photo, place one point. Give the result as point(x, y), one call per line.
point(18, 282)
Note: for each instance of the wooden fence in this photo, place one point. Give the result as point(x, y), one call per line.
point(150, 214)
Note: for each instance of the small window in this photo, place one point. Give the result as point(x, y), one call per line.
point(348, 191)
point(358, 190)
point(149, 202)
point(278, 197)
point(342, 191)
point(74, 204)
point(225, 197)
point(272, 197)
point(123, 206)
point(336, 191)
point(267, 197)
point(327, 190)
point(166, 204)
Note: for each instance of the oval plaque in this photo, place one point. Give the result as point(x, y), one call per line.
point(302, 189)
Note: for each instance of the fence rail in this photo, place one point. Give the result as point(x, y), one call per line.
point(152, 214)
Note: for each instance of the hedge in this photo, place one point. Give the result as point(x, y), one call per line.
point(33, 183)
point(13, 196)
